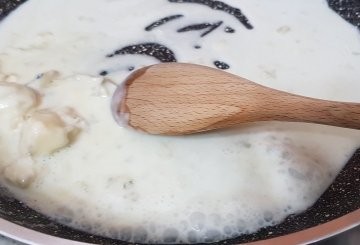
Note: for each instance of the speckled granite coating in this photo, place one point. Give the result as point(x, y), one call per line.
point(7, 6)
point(348, 9)
point(341, 198)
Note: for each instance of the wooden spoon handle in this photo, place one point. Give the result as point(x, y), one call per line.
point(275, 105)
point(339, 114)
point(283, 106)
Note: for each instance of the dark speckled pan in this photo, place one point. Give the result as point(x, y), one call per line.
point(341, 198)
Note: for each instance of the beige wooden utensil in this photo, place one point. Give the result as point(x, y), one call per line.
point(177, 99)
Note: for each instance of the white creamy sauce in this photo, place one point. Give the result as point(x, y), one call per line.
point(63, 154)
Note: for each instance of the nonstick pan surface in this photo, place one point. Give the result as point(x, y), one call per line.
point(341, 199)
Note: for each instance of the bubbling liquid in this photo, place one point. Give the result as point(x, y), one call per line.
point(63, 154)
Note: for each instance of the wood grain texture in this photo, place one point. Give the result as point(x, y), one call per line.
point(176, 99)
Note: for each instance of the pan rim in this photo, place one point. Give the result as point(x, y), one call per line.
point(307, 236)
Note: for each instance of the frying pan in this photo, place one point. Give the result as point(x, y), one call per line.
point(337, 210)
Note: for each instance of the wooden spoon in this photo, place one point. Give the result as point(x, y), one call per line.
point(177, 99)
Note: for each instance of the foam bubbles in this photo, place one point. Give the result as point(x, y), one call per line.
point(140, 235)
point(197, 221)
point(242, 203)
point(170, 235)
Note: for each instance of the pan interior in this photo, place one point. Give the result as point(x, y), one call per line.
point(165, 55)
